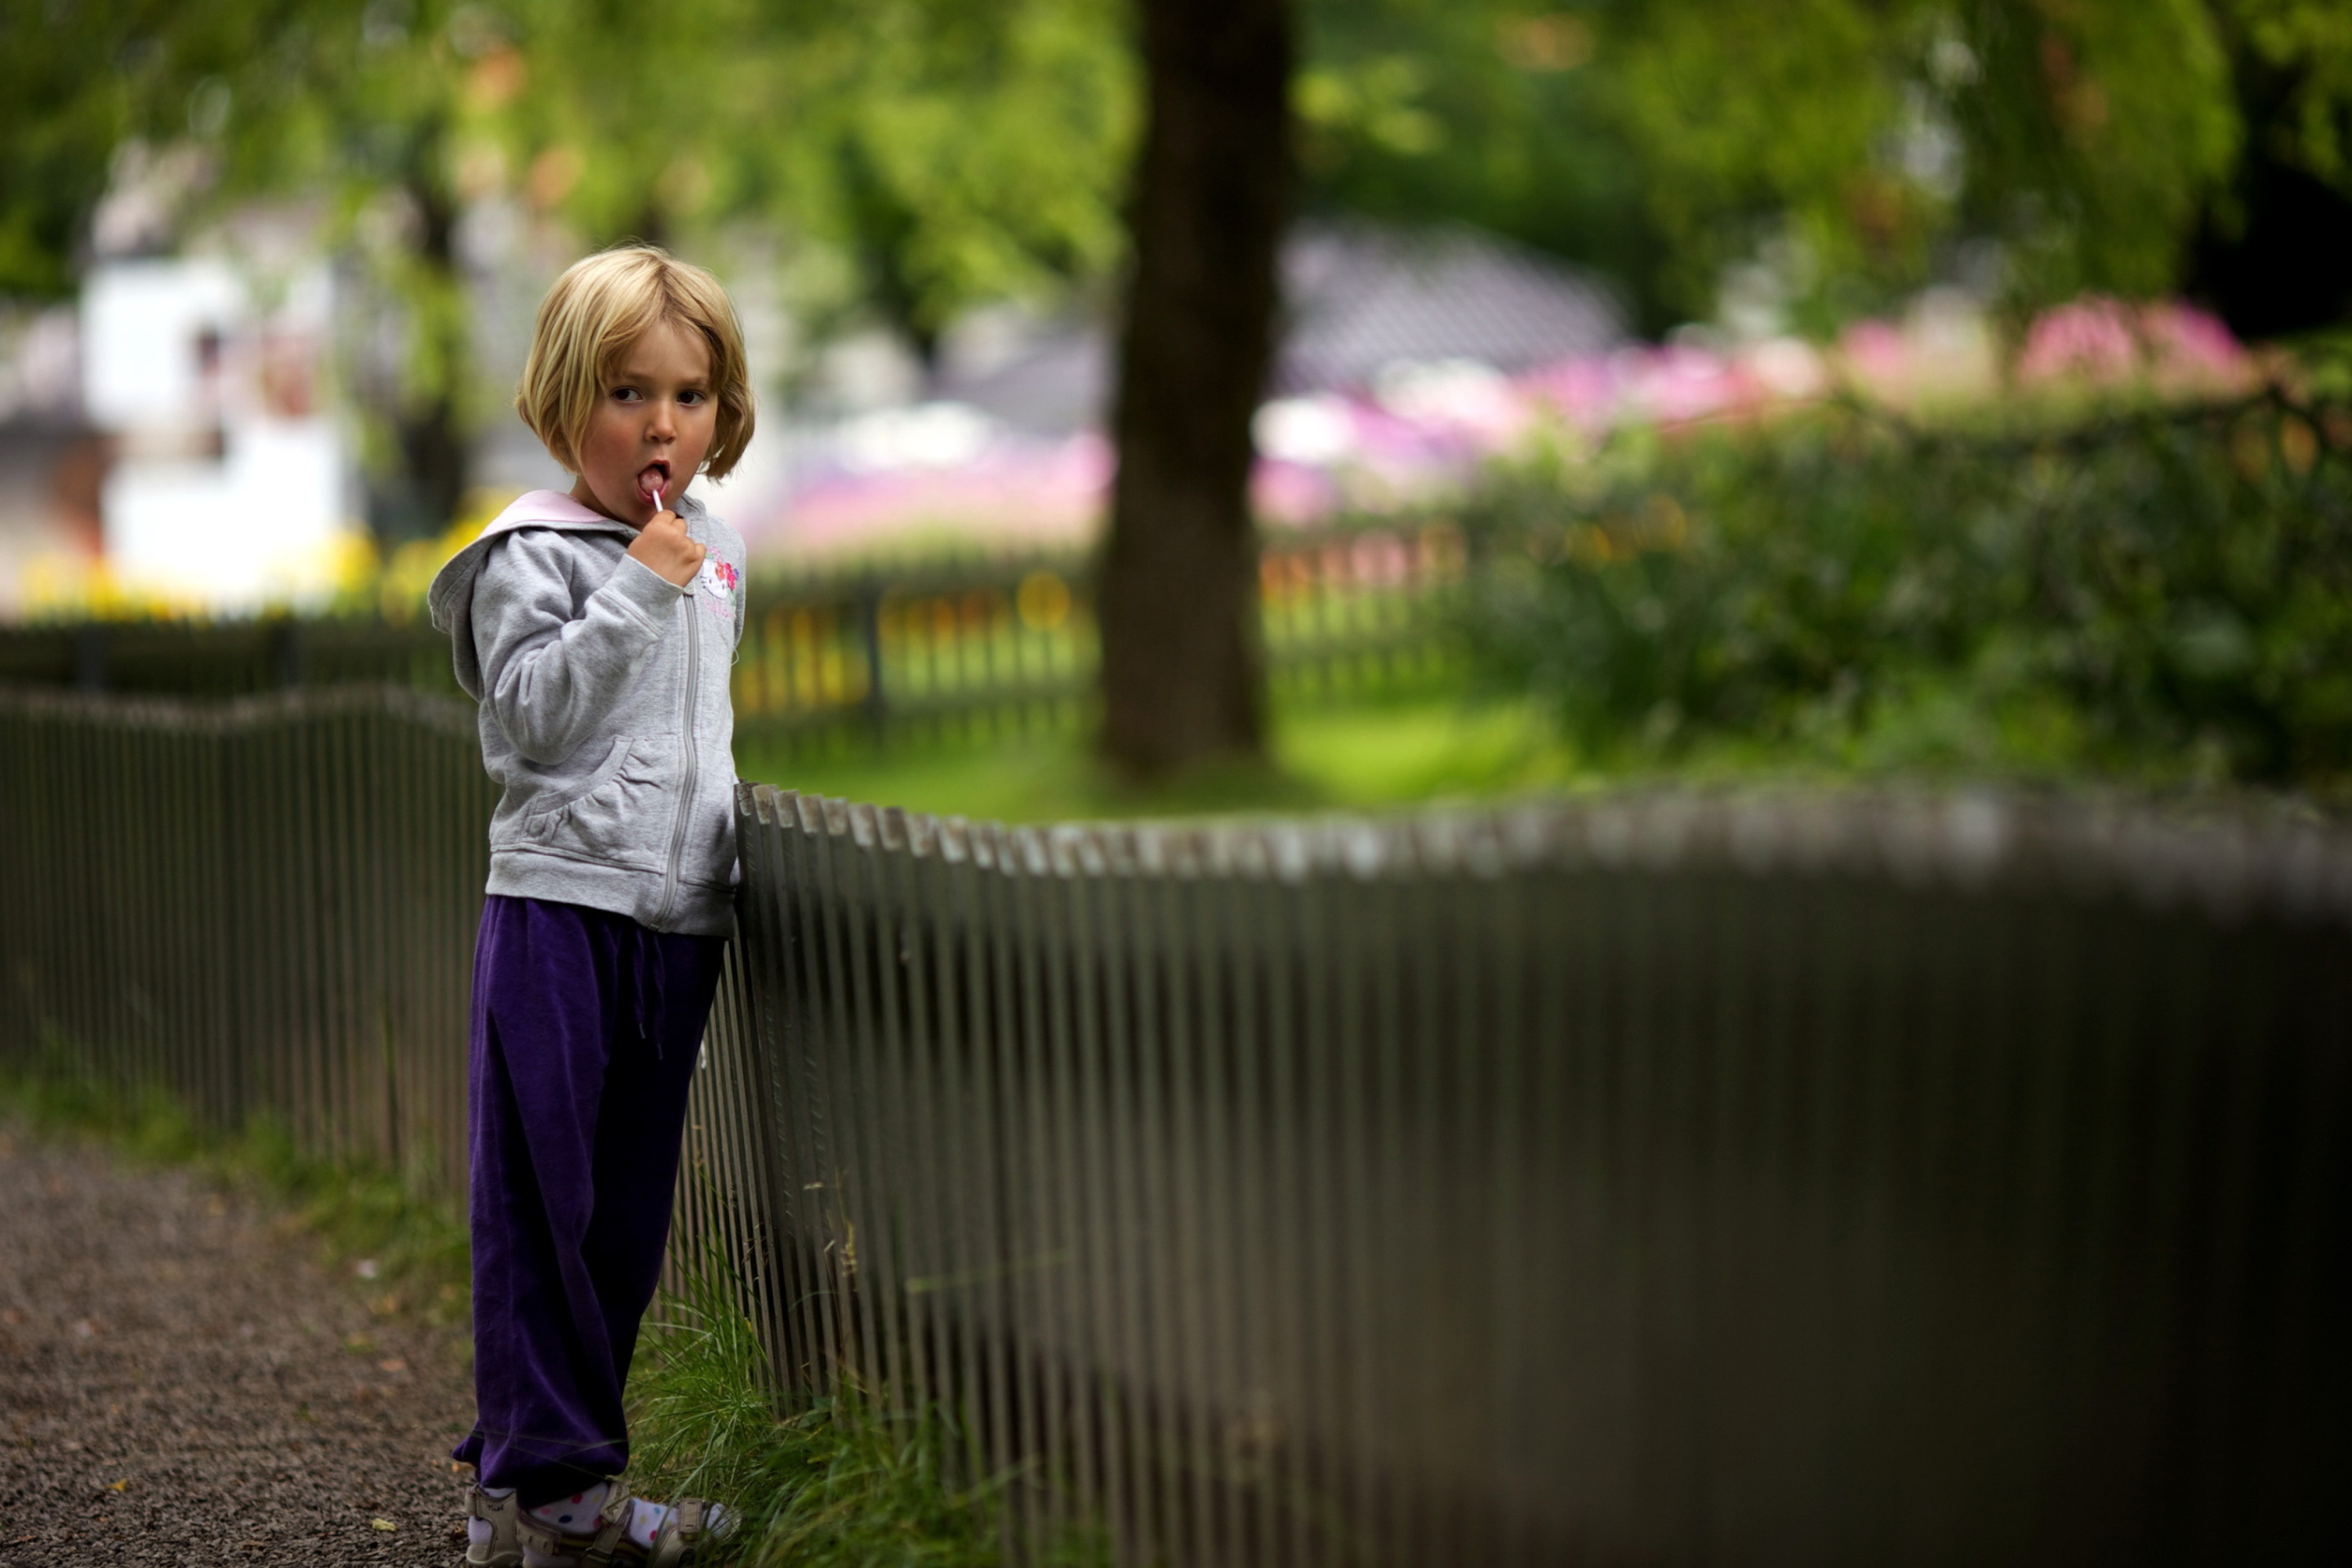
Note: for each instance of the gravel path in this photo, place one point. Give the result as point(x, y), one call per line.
point(182, 1382)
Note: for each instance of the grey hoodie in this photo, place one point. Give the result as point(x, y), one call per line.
point(604, 711)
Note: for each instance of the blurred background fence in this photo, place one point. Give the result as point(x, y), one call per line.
point(955, 643)
point(2153, 592)
point(1753, 1179)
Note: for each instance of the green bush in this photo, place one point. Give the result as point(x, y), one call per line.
point(2158, 593)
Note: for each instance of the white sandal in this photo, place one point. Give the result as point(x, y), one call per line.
point(675, 1544)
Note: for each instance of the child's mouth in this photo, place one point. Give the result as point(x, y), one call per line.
point(653, 482)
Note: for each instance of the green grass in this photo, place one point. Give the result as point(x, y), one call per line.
point(1367, 757)
point(415, 1244)
point(814, 1482)
point(1386, 756)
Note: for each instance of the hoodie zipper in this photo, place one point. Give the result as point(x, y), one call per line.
point(693, 760)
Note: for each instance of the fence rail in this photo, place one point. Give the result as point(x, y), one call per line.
point(1676, 1179)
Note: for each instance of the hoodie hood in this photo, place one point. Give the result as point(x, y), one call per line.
point(451, 598)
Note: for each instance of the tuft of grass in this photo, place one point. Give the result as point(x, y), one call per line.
point(844, 1481)
point(416, 1242)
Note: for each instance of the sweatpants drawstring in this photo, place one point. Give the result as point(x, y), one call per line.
point(646, 981)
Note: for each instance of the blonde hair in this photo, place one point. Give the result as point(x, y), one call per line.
point(592, 318)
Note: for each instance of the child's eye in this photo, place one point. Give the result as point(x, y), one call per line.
point(626, 395)
point(692, 399)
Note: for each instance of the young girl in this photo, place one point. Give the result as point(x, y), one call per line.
point(595, 628)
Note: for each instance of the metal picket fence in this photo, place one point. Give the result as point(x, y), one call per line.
point(265, 907)
point(1750, 1179)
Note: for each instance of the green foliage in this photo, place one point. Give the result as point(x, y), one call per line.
point(989, 145)
point(1859, 143)
point(844, 1480)
point(2311, 42)
point(946, 155)
point(80, 80)
point(1491, 114)
point(2084, 139)
point(963, 155)
point(954, 155)
point(59, 139)
point(2156, 594)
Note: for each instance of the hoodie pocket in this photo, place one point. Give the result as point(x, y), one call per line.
point(616, 814)
point(709, 857)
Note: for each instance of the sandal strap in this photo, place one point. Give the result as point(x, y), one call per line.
point(540, 1537)
point(680, 1534)
point(674, 1545)
point(615, 1535)
point(549, 1542)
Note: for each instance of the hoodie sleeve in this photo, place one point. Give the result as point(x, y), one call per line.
point(548, 677)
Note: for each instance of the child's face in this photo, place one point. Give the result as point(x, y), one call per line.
point(652, 426)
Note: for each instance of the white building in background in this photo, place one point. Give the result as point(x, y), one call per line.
point(231, 486)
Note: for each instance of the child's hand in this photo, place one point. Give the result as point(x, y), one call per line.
point(663, 544)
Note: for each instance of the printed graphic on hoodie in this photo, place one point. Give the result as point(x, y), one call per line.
point(723, 584)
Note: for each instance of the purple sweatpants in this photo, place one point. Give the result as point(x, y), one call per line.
point(586, 1027)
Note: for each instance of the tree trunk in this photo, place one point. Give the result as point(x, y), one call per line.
point(1183, 678)
point(433, 449)
point(433, 436)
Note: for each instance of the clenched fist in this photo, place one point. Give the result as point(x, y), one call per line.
point(664, 545)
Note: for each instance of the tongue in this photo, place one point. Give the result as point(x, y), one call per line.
point(650, 485)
